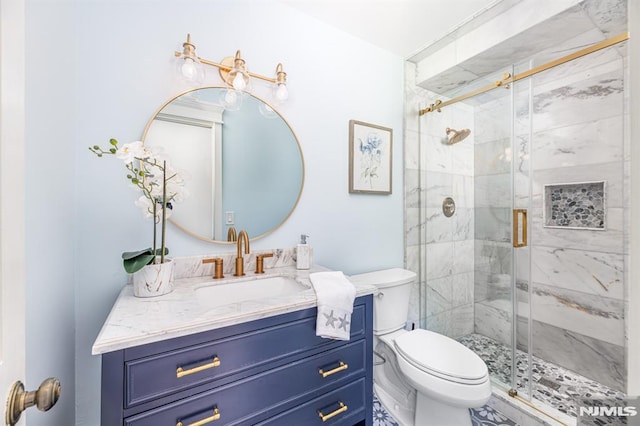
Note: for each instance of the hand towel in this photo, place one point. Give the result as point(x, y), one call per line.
point(335, 295)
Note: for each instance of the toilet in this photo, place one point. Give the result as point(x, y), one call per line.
point(422, 378)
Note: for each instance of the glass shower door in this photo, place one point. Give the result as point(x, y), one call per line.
point(494, 294)
point(521, 198)
point(570, 170)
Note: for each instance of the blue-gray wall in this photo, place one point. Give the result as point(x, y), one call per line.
point(99, 69)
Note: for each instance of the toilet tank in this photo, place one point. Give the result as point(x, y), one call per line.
point(391, 305)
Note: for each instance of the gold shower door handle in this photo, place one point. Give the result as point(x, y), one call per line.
point(517, 242)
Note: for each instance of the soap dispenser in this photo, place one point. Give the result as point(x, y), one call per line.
point(303, 253)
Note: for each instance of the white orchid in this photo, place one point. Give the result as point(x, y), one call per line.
point(131, 151)
point(161, 186)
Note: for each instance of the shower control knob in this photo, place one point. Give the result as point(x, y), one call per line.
point(448, 207)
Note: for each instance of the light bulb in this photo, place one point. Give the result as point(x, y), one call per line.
point(188, 69)
point(238, 82)
point(282, 93)
point(231, 97)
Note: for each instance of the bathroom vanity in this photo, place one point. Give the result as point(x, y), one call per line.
point(175, 360)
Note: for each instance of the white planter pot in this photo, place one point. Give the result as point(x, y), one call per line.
point(154, 280)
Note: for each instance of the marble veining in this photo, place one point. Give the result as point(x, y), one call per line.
point(192, 266)
point(579, 270)
point(134, 321)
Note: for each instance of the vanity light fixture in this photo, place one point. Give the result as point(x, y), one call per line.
point(233, 71)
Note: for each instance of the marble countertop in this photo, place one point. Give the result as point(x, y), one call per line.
point(137, 321)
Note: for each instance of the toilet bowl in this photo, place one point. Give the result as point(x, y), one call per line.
point(422, 378)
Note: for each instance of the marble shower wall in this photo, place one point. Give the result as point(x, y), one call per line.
point(439, 249)
point(577, 276)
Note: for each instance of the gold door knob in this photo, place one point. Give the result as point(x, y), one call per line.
point(44, 398)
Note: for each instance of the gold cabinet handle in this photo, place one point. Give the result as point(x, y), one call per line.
point(516, 227)
point(216, 416)
point(341, 367)
point(326, 417)
point(180, 372)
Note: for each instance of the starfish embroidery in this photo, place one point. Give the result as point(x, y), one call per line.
point(331, 320)
point(344, 323)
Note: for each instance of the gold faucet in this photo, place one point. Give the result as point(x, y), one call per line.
point(231, 235)
point(260, 262)
point(218, 267)
point(242, 235)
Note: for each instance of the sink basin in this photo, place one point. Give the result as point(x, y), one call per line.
point(246, 290)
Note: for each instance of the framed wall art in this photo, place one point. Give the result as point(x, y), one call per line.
point(370, 158)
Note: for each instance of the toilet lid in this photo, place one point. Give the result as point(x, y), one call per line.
point(441, 355)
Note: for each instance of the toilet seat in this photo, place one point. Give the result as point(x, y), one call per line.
point(441, 356)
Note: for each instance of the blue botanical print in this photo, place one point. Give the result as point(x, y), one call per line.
point(371, 150)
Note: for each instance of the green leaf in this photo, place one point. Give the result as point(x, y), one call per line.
point(131, 254)
point(133, 261)
point(137, 263)
point(113, 142)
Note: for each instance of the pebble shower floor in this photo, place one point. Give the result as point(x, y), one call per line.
point(553, 385)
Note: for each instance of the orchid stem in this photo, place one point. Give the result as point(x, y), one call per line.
point(154, 233)
point(164, 208)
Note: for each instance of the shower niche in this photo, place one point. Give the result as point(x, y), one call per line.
point(578, 205)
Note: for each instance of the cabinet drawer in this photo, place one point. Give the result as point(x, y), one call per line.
point(166, 373)
point(264, 392)
point(343, 406)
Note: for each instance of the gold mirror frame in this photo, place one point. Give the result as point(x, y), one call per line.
point(303, 171)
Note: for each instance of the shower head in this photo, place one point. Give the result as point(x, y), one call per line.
point(455, 136)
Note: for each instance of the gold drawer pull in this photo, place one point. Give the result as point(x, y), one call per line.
point(342, 409)
point(341, 367)
point(216, 416)
point(181, 373)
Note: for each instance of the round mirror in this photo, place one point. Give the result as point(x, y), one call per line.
point(245, 163)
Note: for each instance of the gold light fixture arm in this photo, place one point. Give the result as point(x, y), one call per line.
point(227, 63)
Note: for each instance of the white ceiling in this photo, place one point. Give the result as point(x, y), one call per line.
point(403, 27)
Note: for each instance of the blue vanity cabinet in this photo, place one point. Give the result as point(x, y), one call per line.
point(270, 371)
